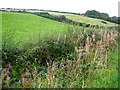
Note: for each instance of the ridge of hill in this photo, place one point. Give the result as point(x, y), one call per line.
point(85, 19)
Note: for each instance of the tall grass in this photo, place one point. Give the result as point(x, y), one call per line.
point(65, 61)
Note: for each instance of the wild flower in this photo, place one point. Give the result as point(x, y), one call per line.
point(25, 74)
point(7, 73)
point(65, 63)
point(54, 64)
point(9, 66)
point(56, 78)
point(58, 37)
point(37, 47)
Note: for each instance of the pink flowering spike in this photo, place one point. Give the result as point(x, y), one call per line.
point(65, 63)
point(37, 47)
point(26, 74)
point(9, 65)
point(56, 78)
point(23, 75)
point(56, 63)
point(8, 73)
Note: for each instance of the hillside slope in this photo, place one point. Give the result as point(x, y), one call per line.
point(29, 22)
point(84, 19)
point(28, 27)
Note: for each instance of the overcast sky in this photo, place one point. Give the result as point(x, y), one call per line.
point(78, 6)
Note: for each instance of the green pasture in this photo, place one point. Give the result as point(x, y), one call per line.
point(84, 19)
point(29, 28)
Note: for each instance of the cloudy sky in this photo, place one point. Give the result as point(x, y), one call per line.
point(78, 6)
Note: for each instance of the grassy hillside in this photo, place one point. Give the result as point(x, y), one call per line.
point(30, 27)
point(79, 18)
point(78, 58)
point(84, 19)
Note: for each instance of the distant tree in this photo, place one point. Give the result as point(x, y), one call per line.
point(8, 8)
point(104, 16)
point(22, 11)
point(92, 12)
point(62, 17)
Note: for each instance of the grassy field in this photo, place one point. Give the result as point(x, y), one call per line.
point(80, 18)
point(84, 19)
point(28, 27)
point(30, 23)
point(62, 56)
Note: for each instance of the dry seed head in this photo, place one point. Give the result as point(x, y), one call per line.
point(90, 26)
point(74, 31)
point(78, 37)
point(88, 40)
point(93, 36)
point(58, 37)
point(74, 42)
point(64, 36)
point(77, 41)
point(87, 47)
point(84, 31)
point(82, 36)
point(76, 49)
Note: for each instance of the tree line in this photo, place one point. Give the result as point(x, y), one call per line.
point(104, 16)
point(88, 13)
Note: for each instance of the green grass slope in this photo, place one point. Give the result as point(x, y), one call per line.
point(28, 27)
point(84, 19)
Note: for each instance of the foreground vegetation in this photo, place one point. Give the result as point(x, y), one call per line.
point(80, 59)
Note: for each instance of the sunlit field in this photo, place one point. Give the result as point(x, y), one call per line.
point(84, 19)
point(41, 53)
point(29, 28)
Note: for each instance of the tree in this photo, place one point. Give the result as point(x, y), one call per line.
point(92, 12)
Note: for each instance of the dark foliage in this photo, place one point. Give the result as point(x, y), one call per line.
point(104, 16)
point(104, 22)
